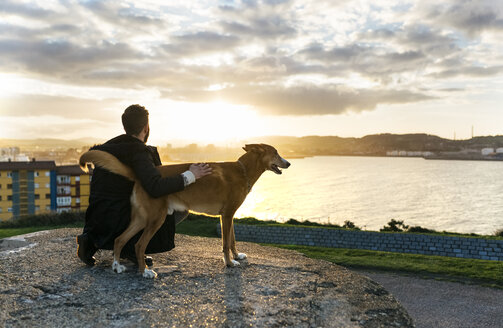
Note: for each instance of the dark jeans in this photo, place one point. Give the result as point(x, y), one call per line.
point(107, 218)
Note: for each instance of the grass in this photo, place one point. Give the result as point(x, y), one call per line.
point(487, 273)
point(9, 232)
point(198, 225)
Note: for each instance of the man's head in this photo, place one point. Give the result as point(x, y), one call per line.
point(135, 121)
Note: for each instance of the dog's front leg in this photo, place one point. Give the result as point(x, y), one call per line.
point(237, 256)
point(226, 225)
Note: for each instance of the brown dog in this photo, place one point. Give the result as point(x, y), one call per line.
point(220, 193)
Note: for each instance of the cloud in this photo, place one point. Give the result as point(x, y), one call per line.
point(281, 57)
point(263, 20)
point(472, 17)
point(61, 57)
point(29, 106)
point(310, 99)
point(201, 43)
point(32, 11)
point(469, 71)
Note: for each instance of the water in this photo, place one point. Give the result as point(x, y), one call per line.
point(457, 196)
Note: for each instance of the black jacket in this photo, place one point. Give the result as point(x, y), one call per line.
point(109, 210)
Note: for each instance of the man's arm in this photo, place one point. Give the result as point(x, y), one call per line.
point(151, 180)
point(155, 185)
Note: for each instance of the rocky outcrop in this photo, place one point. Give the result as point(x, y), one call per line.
point(47, 286)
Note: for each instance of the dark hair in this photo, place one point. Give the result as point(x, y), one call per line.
point(134, 119)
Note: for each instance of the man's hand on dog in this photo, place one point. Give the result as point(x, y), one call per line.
point(200, 170)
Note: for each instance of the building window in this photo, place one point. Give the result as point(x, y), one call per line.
point(37, 196)
point(9, 186)
point(47, 174)
point(48, 185)
point(63, 179)
point(9, 210)
point(1, 210)
point(36, 185)
point(0, 186)
point(37, 174)
point(9, 197)
point(77, 178)
point(47, 196)
point(77, 200)
point(48, 207)
point(9, 174)
point(64, 201)
point(0, 197)
point(65, 190)
point(37, 208)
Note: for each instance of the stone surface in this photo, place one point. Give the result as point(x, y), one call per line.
point(47, 286)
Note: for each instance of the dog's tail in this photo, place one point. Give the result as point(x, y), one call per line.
point(106, 161)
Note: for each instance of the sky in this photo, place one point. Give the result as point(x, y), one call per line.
point(221, 71)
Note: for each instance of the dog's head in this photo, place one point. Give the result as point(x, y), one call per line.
point(269, 157)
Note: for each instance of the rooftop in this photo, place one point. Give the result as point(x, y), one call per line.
point(33, 165)
point(70, 170)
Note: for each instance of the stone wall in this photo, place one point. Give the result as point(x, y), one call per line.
point(475, 248)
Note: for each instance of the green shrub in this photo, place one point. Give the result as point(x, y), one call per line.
point(395, 226)
point(499, 233)
point(47, 219)
point(310, 223)
point(350, 225)
point(420, 229)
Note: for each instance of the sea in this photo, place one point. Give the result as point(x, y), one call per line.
point(444, 195)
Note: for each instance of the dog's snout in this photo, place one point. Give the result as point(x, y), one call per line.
point(286, 163)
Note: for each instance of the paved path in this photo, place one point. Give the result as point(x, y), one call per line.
point(433, 303)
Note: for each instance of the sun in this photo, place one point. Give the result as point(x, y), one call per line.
point(215, 122)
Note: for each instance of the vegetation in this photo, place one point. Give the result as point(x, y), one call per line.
point(395, 226)
point(9, 232)
point(45, 220)
point(487, 273)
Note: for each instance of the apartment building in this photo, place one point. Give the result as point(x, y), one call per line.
point(72, 188)
point(26, 188)
point(37, 187)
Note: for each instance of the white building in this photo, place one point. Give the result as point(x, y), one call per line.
point(487, 151)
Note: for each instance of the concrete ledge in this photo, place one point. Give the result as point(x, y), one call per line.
point(461, 247)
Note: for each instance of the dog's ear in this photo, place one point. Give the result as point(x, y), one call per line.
point(254, 147)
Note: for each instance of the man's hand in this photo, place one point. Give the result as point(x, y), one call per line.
point(200, 170)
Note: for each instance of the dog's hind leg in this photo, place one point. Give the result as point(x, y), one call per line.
point(237, 256)
point(142, 243)
point(134, 227)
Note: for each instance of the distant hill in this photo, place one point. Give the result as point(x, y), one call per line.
point(377, 144)
point(48, 144)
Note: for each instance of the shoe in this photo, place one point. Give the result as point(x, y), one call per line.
point(132, 257)
point(85, 250)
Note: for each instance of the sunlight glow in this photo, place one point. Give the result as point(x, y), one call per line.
point(204, 123)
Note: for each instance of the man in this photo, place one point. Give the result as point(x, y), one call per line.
point(109, 210)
